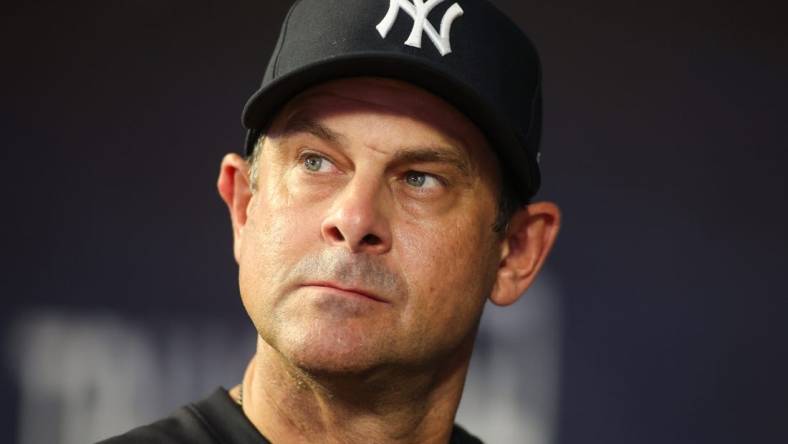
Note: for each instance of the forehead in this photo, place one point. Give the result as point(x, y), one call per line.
point(370, 97)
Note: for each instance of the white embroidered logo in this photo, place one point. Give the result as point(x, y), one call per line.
point(419, 10)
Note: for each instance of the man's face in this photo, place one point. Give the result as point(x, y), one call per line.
point(368, 240)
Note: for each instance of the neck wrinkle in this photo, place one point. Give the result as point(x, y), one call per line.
point(289, 406)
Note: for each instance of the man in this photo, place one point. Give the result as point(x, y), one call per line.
point(382, 202)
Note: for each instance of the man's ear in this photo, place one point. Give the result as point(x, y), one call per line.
point(236, 192)
point(531, 234)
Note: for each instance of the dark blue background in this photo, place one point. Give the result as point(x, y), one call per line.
point(664, 144)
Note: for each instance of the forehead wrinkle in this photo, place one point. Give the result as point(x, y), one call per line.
point(299, 122)
point(304, 108)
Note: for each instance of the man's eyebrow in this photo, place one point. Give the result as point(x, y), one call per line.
point(430, 154)
point(300, 123)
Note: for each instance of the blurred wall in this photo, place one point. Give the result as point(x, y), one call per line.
point(664, 144)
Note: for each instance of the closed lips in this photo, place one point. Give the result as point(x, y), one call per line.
point(346, 289)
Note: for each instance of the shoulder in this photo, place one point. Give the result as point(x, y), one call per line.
point(460, 436)
point(214, 420)
point(182, 426)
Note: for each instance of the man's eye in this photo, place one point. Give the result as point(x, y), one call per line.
point(421, 180)
point(315, 163)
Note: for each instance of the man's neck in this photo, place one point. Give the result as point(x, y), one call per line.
point(290, 406)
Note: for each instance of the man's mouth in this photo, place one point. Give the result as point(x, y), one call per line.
point(347, 290)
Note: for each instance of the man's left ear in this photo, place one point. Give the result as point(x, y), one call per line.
point(531, 234)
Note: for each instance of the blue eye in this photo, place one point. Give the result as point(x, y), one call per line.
point(417, 179)
point(313, 163)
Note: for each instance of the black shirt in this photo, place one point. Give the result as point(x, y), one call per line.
point(217, 419)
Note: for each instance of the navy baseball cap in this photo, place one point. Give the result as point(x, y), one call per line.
point(465, 51)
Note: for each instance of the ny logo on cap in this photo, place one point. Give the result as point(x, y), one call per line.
point(419, 10)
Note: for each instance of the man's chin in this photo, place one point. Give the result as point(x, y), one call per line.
point(332, 352)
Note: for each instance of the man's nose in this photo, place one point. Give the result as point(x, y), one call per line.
point(357, 219)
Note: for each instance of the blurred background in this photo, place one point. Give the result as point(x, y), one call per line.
point(661, 316)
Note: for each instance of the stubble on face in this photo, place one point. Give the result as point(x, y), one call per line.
point(428, 291)
point(312, 327)
point(337, 326)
